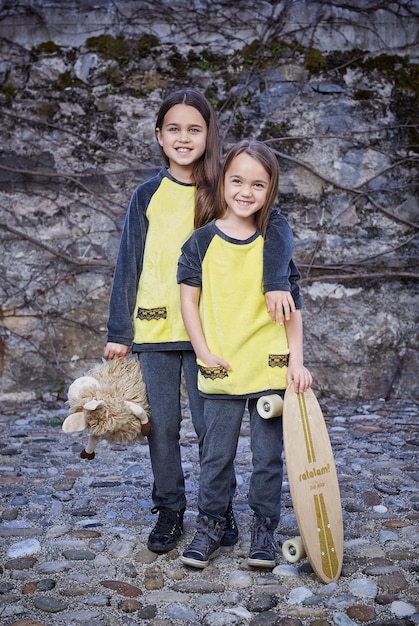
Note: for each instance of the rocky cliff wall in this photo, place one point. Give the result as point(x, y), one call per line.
point(331, 86)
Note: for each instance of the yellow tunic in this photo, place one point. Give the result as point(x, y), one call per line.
point(170, 215)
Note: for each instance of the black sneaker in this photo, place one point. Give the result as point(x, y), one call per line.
point(167, 530)
point(231, 531)
point(263, 548)
point(205, 545)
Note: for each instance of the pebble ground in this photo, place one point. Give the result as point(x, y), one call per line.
point(73, 533)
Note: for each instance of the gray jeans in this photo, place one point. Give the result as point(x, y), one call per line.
point(162, 378)
point(223, 419)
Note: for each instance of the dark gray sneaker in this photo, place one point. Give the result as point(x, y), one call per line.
point(205, 545)
point(231, 531)
point(167, 530)
point(263, 548)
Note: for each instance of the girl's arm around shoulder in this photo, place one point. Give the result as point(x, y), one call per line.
point(277, 253)
point(277, 256)
point(297, 372)
point(189, 297)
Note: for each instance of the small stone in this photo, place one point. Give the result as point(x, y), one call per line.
point(146, 556)
point(240, 580)
point(85, 533)
point(46, 584)
point(403, 554)
point(327, 590)
point(354, 507)
point(184, 613)
point(396, 523)
point(147, 612)
point(176, 573)
point(363, 587)
point(129, 606)
point(392, 583)
point(83, 512)
point(24, 548)
point(267, 618)
point(29, 588)
point(153, 578)
point(27, 562)
point(219, 618)
point(10, 514)
point(287, 571)
point(341, 619)
point(49, 605)
point(262, 602)
point(371, 498)
point(65, 484)
point(361, 613)
point(97, 544)
point(129, 570)
point(240, 611)
point(298, 595)
point(233, 598)
point(124, 589)
point(76, 590)
point(385, 598)
point(51, 567)
point(402, 609)
point(79, 555)
point(121, 549)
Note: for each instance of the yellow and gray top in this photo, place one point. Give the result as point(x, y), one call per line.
point(233, 314)
point(144, 307)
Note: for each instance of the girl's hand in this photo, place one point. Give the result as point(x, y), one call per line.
point(279, 304)
point(212, 360)
point(115, 350)
point(300, 376)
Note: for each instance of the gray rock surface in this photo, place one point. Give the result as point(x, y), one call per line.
point(331, 86)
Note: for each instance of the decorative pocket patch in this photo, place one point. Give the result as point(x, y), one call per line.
point(214, 372)
point(159, 313)
point(278, 360)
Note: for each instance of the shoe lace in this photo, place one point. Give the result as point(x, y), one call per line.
point(262, 538)
point(205, 532)
point(230, 523)
point(166, 521)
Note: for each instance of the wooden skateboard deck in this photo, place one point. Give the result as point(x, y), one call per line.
point(313, 484)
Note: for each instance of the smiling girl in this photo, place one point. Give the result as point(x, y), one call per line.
point(241, 354)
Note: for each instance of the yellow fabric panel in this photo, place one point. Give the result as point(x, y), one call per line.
point(236, 323)
point(157, 317)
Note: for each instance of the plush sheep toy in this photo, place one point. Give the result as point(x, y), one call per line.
point(110, 402)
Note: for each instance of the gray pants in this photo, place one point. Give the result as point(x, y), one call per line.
point(162, 378)
point(223, 419)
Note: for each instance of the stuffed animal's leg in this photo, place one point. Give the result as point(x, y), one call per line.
point(89, 451)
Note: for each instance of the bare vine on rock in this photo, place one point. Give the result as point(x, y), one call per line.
point(77, 141)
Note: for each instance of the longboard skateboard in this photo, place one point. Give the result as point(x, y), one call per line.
point(313, 482)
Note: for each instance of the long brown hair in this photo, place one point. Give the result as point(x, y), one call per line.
point(205, 170)
point(266, 157)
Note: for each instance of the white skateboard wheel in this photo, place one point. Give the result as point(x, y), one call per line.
point(293, 550)
point(270, 406)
